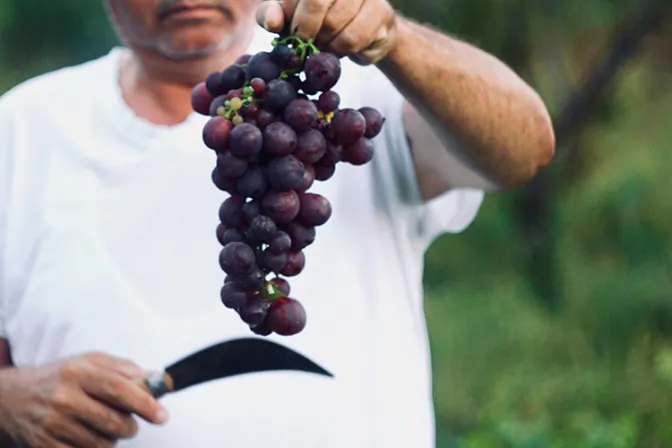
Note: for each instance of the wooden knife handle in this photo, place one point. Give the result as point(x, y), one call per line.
point(157, 384)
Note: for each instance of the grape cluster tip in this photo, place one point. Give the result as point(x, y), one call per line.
point(276, 127)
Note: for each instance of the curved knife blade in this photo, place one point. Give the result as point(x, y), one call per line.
point(230, 358)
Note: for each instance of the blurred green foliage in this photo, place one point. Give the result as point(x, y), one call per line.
point(509, 374)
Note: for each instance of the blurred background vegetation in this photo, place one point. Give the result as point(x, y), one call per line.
point(551, 317)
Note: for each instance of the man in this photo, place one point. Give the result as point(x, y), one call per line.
point(108, 259)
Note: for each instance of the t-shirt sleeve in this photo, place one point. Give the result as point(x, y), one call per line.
point(5, 180)
point(451, 212)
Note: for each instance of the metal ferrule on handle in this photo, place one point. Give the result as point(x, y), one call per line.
point(158, 384)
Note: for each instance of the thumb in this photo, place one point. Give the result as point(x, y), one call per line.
point(271, 16)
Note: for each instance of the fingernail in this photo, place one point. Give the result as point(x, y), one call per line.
point(162, 416)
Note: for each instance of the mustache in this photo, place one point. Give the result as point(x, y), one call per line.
point(164, 7)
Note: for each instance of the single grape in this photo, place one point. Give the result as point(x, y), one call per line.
point(295, 81)
point(360, 152)
point(261, 229)
point(281, 206)
point(279, 139)
point(315, 210)
point(285, 173)
point(374, 121)
point(232, 78)
point(296, 261)
point(322, 70)
point(265, 118)
point(236, 93)
point(280, 242)
point(230, 212)
point(262, 329)
point(254, 311)
point(201, 99)
point(279, 93)
point(310, 146)
point(233, 295)
point(324, 172)
point(220, 233)
point(217, 104)
point(282, 285)
point(261, 65)
point(281, 54)
point(271, 262)
point(231, 166)
point(223, 183)
point(250, 111)
point(286, 316)
point(236, 104)
point(329, 101)
point(243, 59)
point(251, 210)
point(301, 114)
point(254, 280)
point(237, 119)
point(232, 235)
point(294, 63)
point(237, 259)
point(252, 184)
point(332, 155)
point(301, 235)
point(308, 88)
point(258, 86)
point(349, 126)
point(213, 83)
point(308, 179)
point(217, 133)
point(245, 140)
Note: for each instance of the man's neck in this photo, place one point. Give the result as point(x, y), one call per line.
point(159, 90)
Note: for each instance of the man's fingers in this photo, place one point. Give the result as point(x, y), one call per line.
point(123, 394)
point(122, 366)
point(309, 16)
point(71, 433)
point(105, 420)
point(271, 16)
point(339, 16)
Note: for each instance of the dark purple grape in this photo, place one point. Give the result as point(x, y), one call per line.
point(265, 118)
point(237, 259)
point(232, 78)
point(310, 146)
point(243, 59)
point(295, 81)
point(295, 264)
point(250, 111)
point(214, 84)
point(294, 63)
point(281, 242)
point(332, 155)
point(261, 229)
point(254, 311)
point(262, 329)
point(286, 316)
point(322, 70)
point(324, 172)
point(285, 173)
point(231, 166)
point(253, 281)
point(308, 179)
point(281, 54)
point(251, 210)
point(232, 235)
point(279, 139)
point(374, 121)
point(308, 88)
point(349, 126)
point(329, 101)
point(216, 104)
point(301, 235)
point(261, 65)
point(223, 183)
point(230, 212)
point(315, 210)
point(217, 133)
point(301, 114)
point(282, 285)
point(279, 93)
point(252, 184)
point(233, 295)
point(258, 86)
point(236, 93)
point(271, 262)
point(220, 233)
point(360, 152)
point(281, 206)
point(201, 99)
point(245, 140)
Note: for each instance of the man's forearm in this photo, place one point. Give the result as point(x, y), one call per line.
point(502, 125)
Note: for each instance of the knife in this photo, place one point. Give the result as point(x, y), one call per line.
point(226, 359)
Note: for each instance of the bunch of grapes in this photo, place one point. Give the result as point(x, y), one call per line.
point(276, 128)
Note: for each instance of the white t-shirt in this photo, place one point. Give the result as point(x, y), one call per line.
point(107, 242)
